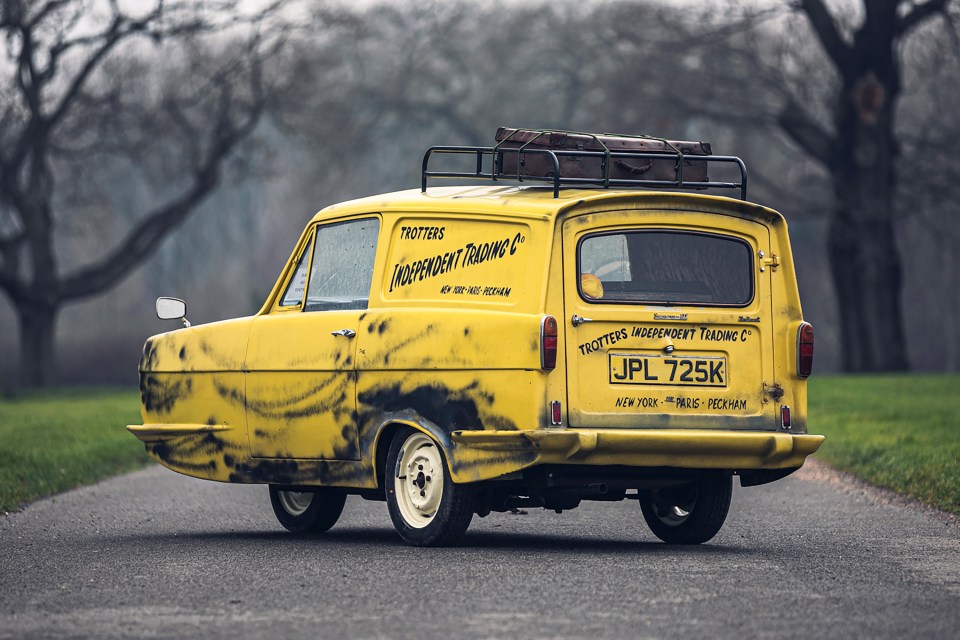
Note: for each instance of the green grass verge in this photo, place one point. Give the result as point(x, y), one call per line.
point(51, 441)
point(895, 431)
point(901, 432)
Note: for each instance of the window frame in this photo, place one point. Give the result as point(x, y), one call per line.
point(689, 232)
point(307, 247)
point(315, 232)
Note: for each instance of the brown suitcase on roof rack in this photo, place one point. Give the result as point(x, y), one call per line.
point(572, 166)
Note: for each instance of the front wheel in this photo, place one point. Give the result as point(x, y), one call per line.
point(426, 507)
point(307, 511)
point(691, 513)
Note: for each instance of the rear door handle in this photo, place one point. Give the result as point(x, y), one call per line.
point(346, 333)
point(576, 320)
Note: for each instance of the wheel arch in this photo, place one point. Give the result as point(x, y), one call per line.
point(389, 430)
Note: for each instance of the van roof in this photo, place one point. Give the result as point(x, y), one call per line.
point(536, 202)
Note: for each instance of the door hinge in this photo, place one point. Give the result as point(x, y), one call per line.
point(773, 262)
point(775, 391)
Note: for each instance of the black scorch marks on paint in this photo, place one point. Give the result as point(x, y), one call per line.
point(222, 361)
point(406, 343)
point(149, 358)
point(177, 453)
point(272, 471)
point(234, 396)
point(379, 327)
point(452, 410)
point(159, 393)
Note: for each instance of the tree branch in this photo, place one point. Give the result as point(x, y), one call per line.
point(825, 27)
point(47, 9)
point(119, 29)
point(919, 13)
point(146, 236)
point(806, 132)
point(140, 242)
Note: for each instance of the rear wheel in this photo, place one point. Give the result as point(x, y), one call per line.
point(691, 513)
point(307, 511)
point(426, 507)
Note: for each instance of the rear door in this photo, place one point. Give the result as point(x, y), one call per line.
point(668, 321)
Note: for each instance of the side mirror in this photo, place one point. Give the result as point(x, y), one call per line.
point(172, 309)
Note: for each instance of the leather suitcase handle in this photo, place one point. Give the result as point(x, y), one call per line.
point(637, 171)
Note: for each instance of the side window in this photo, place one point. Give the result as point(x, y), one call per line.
point(342, 266)
point(293, 296)
point(666, 267)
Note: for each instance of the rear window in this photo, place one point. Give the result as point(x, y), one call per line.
point(665, 267)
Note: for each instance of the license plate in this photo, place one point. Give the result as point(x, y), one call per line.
point(694, 371)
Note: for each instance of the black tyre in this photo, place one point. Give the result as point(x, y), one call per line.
point(426, 507)
point(689, 514)
point(313, 511)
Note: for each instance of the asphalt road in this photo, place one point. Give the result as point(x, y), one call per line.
point(154, 554)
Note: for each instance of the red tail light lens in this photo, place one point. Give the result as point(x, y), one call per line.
point(785, 420)
point(556, 413)
point(548, 343)
point(805, 350)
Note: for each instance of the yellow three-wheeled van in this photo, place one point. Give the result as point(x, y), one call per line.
point(533, 339)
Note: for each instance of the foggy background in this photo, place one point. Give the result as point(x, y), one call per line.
point(354, 93)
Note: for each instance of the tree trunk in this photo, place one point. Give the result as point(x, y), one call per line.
point(864, 258)
point(38, 367)
point(866, 275)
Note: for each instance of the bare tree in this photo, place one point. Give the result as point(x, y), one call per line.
point(860, 150)
point(841, 105)
point(74, 93)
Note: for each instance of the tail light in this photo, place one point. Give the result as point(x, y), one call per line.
point(805, 350)
point(548, 343)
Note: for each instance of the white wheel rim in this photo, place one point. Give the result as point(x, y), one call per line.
point(419, 481)
point(295, 502)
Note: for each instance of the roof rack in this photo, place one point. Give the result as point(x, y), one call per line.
point(496, 173)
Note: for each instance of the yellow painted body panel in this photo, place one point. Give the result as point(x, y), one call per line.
point(449, 343)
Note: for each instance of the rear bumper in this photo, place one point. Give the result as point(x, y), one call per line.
point(682, 448)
